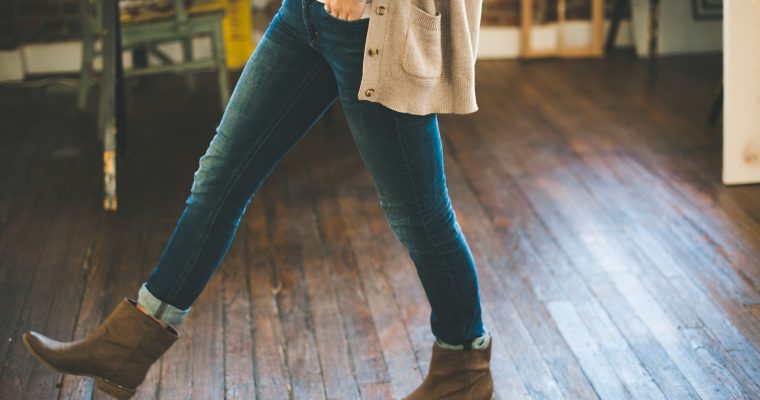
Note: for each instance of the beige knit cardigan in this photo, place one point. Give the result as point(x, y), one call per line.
point(420, 55)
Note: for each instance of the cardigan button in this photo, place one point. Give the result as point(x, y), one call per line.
point(372, 52)
point(369, 92)
point(380, 10)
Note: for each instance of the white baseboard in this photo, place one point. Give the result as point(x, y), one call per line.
point(11, 65)
point(66, 57)
point(495, 43)
point(498, 42)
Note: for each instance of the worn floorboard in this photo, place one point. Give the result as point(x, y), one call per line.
point(612, 261)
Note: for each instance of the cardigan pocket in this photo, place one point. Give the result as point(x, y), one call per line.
point(422, 56)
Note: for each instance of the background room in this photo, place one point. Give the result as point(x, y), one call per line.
point(607, 186)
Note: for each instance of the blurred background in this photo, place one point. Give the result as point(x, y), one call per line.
point(607, 186)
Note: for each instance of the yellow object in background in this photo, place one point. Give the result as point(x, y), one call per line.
point(237, 23)
point(238, 32)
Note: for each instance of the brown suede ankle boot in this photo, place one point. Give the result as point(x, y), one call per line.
point(457, 375)
point(117, 353)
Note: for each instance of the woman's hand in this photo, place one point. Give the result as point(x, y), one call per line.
point(345, 9)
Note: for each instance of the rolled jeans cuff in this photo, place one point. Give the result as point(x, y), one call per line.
point(160, 309)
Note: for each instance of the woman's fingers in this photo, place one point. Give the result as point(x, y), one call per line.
point(336, 11)
point(347, 10)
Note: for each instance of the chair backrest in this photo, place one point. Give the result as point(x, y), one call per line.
point(91, 14)
point(178, 10)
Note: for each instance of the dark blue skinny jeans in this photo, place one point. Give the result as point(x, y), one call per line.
point(306, 60)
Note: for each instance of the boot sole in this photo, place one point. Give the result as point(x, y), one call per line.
point(114, 389)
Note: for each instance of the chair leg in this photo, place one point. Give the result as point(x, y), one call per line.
point(617, 15)
point(221, 64)
point(85, 74)
point(654, 18)
point(187, 54)
point(108, 114)
point(717, 105)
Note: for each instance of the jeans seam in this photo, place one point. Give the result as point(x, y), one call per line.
point(424, 224)
point(233, 181)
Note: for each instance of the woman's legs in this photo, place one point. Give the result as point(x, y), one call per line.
point(404, 156)
point(284, 89)
point(286, 86)
point(403, 153)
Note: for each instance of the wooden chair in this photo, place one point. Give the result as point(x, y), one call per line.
point(125, 31)
point(654, 27)
point(148, 29)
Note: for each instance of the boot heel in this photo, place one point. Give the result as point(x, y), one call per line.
point(116, 390)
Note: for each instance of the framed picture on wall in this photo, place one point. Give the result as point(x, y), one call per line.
point(708, 9)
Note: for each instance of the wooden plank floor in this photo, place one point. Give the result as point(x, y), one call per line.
point(613, 263)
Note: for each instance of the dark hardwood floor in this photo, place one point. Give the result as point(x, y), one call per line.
point(613, 263)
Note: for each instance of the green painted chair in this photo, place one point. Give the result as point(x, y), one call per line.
point(167, 22)
point(174, 23)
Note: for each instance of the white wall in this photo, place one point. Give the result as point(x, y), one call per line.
point(741, 79)
point(679, 32)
